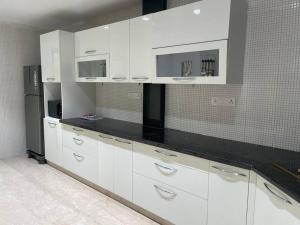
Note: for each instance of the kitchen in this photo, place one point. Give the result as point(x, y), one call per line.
point(151, 112)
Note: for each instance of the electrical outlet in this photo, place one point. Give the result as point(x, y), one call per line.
point(218, 101)
point(134, 95)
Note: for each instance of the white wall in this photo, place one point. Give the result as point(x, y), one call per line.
point(19, 46)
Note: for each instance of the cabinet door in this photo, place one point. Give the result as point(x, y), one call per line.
point(53, 145)
point(202, 21)
point(50, 56)
point(140, 49)
point(123, 173)
point(92, 41)
point(273, 207)
point(106, 166)
point(202, 63)
point(119, 51)
point(228, 195)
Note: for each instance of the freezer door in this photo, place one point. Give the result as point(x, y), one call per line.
point(33, 80)
point(34, 123)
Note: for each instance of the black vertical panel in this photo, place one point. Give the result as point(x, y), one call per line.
point(154, 105)
point(152, 6)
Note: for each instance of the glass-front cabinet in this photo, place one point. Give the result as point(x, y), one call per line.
point(92, 68)
point(203, 63)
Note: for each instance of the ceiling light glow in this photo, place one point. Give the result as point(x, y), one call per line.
point(196, 11)
point(146, 18)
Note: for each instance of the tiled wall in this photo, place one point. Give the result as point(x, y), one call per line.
point(267, 107)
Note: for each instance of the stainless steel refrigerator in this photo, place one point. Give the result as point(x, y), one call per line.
point(34, 112)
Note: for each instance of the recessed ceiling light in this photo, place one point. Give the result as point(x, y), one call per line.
point(145, 18)
point(196, 11)
point(106, 27)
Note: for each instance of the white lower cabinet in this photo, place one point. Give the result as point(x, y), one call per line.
point(115, 166)
point(168, 202)
point(82, 165)
point(106, 166)
point(228, 195)
point(53, 145)
point(80, 153)
point(174, 174)
point(123, 173)
point(273, 207)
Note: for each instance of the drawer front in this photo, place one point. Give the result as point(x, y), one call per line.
point(85, 166)
point(78, 142)
point(169, 203)
point(169, 156)
point(172, 174)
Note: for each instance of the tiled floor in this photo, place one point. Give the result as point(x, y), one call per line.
point(32, 194)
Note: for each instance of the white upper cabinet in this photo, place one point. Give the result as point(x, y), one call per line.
point(119, 51)
point(202, 63)
point(202, 21)
point(228, 195)
point(273, 207)
point(93, 41)
point(140, 49)
point(50, 56)
point(57, 55)
point(92, 55)
point(200, 43)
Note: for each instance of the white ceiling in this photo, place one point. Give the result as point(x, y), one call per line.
point(53, 14)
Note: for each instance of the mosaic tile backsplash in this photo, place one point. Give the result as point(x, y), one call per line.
point(267, 109)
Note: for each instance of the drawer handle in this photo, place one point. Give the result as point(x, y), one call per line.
point(52, 125)
point(119, 78)
point(165, 170)
point(106, 137)
point(165, 194)
point(140, 78)
point(50, 79)
point(121, 141)
point(78, 130)
point(281, 198)
point(165, 153)
point(184, 79)
point(90, 51)
point(229, 171)
point(79, 158)
point(78, 141)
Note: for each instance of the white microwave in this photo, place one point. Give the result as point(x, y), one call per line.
point(92, 68)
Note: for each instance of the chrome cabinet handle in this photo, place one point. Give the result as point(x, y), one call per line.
point(277, 196)
point(106, 137)
point(165, 170)
point(90, 51)
point(184, 79)
point(140, 78)
point(119, 78)
point(121, 141)
point(78, 130)
point(165, 153)
point(79, 158)
point(78, 141)
point(50, 79)
point(165, 194)
point(52, 125)
point(229, 171)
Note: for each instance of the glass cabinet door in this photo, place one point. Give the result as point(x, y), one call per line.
point(188, 64)
point(95, 68)
point(195, 63)
point(92, 68)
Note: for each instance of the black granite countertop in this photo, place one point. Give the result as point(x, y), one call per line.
point(248, 156)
